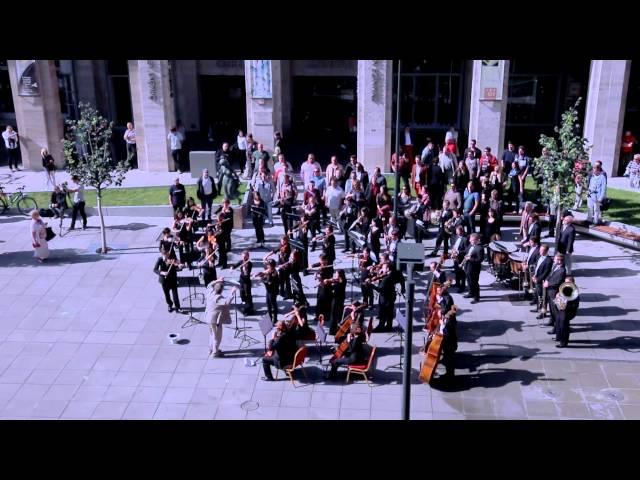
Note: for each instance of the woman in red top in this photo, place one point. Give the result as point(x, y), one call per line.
point(626, 149)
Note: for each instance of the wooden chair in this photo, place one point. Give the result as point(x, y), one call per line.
point(363, 369)
point(298, 361)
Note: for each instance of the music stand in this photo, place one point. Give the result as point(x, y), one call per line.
point(402, 321)
point(191, 320)
point(266, 325)
point(190, 281)
point(241, 332)
point(321, 338)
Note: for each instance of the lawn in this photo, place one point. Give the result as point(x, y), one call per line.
point(117, 197)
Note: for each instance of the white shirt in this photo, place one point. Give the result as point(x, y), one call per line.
point(456, 245)
point(407, 138)
point(540, 260)
point(451, 135)
point(335, 195)
point(78, 195)
point(176, 140)
point(13, 136)
point(242, 142)
point(130, 136)
point(306, 171)
point(207, 185)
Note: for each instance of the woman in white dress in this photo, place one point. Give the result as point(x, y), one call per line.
point(39, 236)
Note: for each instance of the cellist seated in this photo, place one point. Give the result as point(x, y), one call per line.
point(354, 352)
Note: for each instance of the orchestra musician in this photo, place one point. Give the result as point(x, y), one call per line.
point(355, 353)
point(284, 254)
point(449, 327)
point(288, 195)
point(361, 225)
point(552, 284)
point(541, 270)
point(364, 266)
point(437, 274)
point(375, 235)
point(271, 284)
point(329, 244)
point(532, 231)
point(225, 220)
point(386, 298)
point(167, 242)
point(473, 265)
point(282, 349)
point(207, 263)
point(181, 229)
point(300, 234)
point(347, 216)
point(563, 317)
point(167, 270)
point(444, 229)
point(245, 265)
point(295, 266)
point(458, 250)
point(355, 315)
point(299, 325)
point(338, 293)
point(324, 273)
point(423, 213)
point(258, 212)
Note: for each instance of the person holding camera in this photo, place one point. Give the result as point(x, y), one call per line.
point(78, 203)
point(58, 201)
point(11, 140)
point(49, 167)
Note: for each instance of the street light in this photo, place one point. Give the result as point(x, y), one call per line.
point(397, 188)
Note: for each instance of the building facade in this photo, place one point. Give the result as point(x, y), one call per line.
point(322, 106)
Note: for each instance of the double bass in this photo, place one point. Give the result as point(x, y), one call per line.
point(434, 350)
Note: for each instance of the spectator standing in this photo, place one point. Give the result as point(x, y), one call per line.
point(177, 196)
point(175, 142)
point(628, 143)
point(11, 141)
point(49, 167)
point(130, 139)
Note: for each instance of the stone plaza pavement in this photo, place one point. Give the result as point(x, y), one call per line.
point(85, 337)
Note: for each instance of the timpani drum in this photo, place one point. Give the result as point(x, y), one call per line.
point(503, 247)
point(517, 261)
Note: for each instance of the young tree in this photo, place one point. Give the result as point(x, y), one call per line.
point(564, 159)
point(87, 149)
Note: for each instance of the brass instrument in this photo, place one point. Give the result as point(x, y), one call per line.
point(448, 225)
point(567, 292)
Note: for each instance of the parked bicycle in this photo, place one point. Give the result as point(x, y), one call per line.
point(23, 202)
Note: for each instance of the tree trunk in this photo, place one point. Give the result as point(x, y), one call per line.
point(558, 226)
point(103, 231)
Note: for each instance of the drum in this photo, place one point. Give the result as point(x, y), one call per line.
point(504, 247)
point(517, 261)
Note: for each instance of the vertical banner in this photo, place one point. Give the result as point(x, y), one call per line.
point(261, 79)
point(491, 79)
point(27, 78)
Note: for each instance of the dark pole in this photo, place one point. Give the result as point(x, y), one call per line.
point(397, 187)
point(406, 374)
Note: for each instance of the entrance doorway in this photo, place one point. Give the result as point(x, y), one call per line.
point(223, 107)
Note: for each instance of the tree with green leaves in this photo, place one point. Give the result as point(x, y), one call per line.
point(87, 149)
point(564, 160)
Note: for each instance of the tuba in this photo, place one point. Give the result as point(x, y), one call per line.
point(568, 292)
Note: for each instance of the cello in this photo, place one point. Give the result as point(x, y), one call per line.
point(434, 350)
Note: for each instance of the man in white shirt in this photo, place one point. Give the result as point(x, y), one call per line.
point(11, 140)
point(333, 198)
point(130, 139)
point(334, 170)
point(78, 203)
point(206, 192)
point(308, 168)
point(175, 139)
point(264, 187)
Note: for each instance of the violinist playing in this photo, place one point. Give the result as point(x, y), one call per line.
point(294, 267)
point(282, 349)
point(338, 293)
point(364, 265)
point(225, 220)
point(329, 244)
point(323, 274)
point(355, 352)
point(386, 298)
point(167, 270)
point(271, 285)
point(284, 254)
point(167, 242)
point(299, 324)
point(246, 296)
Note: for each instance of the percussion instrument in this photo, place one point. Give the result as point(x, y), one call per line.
point(503, 247)
point(517, 261)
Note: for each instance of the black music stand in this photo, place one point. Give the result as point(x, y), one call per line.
point(266, 325)
point(321, 339)
point(191, 320)
point(402, 321)
point(241, 332)
point(191, 281)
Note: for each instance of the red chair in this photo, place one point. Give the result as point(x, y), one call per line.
point(298, 361)
point(363, 369)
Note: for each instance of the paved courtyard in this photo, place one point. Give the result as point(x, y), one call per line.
point(85, 337)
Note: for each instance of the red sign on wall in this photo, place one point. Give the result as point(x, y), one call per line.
point(490, 93)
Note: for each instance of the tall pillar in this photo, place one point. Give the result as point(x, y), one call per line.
point(375, 117)
point(187, 93)
point(488, 110)
point(265, 98)
point(153, 113)
point(38, 117)
point(605, 109)
point(281, 95)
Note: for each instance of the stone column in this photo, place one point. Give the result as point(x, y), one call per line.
point(605, 109)
point(488, 116)
point(281, 70)
point(187, 93)
point(39, 119)
point(153, 113)
point(265, 102)
point(375, 113)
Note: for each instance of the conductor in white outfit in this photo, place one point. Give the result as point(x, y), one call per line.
point(217, 313)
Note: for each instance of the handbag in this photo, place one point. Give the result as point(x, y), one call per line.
point(50, 234)
point(606, 203)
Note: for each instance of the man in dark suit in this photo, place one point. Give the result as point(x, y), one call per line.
point(206, 193)
point(474, 257)
point(541, 270)
point(459, 248)
point(447, 215)
point(282, 349)
point(565, 244)
point(552, 284)
point(450, 340)
point(386, 300)
point(436, 181)
point(533, 231)
point(563, 317)
point(438, 275)
point(166, 269)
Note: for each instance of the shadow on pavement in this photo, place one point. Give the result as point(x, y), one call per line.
point(605, 311)
point(63, 256)
point(604, 272)
point(626, 343)
point(130, 226)
point(489, 378)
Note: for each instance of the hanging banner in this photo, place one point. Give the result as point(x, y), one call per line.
point(491, 79)
point(27, 78)
point(261, 79)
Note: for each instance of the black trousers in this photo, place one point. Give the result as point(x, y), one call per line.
point(286, 221)
point(78, 207)
point(267, 362)
point(174, 292)
point(460, 277)
point(245, 293)
point(449, 358)
point(342, 361)
point(258, 225)
point(473, 277)
point(367, 293)
point(562, 326)
point(442, 237)
point(285, 284)
point(206, 202)
point(272, 306)
point(552, 225)
point(132, 156)
point(385, 314)
point(298, 290)
point(12, 156)
point(177, 159)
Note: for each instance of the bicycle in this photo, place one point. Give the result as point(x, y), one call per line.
point(23, 202)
